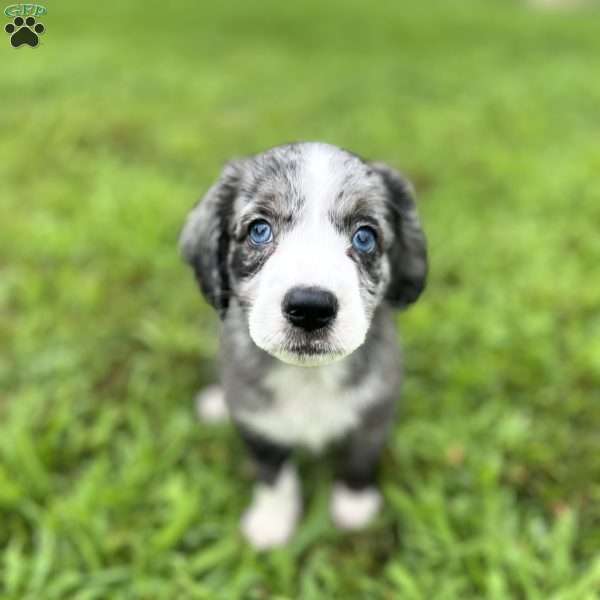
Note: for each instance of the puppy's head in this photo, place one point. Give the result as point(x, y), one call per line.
point(308, 239)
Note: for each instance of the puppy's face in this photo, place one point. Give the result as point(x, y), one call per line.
point(308, 239)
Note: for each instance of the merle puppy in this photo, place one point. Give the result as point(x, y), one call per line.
point(304, 250)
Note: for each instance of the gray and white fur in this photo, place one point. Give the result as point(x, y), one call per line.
point(309, 351)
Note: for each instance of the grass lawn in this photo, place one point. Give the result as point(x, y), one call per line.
point(116, 124)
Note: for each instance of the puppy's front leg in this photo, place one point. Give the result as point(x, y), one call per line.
point(273, 514)
point(355, 499)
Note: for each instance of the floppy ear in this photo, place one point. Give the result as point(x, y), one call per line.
point(204, 239)
point(408, 253)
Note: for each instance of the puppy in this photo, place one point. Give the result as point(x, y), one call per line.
point(304, 250)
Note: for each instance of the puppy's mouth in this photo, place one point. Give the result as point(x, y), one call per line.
point(308, 349)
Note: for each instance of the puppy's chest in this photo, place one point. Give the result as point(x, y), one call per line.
point(308, 406)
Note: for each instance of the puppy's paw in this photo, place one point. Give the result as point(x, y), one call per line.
point(210, 405)
point(353, 509)
point(272, 517)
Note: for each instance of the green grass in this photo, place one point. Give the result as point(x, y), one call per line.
point(111, 129)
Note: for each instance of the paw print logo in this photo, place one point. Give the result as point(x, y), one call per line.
point(24, 31)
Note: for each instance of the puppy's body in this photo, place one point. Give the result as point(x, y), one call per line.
point(304, 250)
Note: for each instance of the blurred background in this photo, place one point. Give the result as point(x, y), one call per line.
point(117, 123)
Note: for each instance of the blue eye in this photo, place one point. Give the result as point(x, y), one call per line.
point(260, 232)
point(364, 239)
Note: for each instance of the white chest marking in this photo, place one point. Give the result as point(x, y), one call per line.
point(310, 406)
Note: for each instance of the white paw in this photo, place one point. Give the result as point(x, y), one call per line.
point(271, 518)
point(352, 509)
point(210, 405)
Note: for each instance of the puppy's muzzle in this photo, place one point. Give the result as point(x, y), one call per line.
point(309, 308)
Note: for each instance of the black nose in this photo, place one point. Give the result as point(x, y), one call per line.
point(309, 308)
